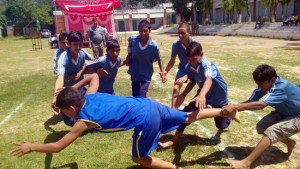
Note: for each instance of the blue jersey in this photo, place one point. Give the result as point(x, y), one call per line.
point(106, 82)
point(217, 95)
point(116, 113)
point(179, 49)
point(284, 97)
point(59, 51)
point(66, 66)
point(56, 55)
point(141, 66)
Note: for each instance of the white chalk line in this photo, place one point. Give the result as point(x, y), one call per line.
point(220, 146)
point(16, 109)
point(258, 117)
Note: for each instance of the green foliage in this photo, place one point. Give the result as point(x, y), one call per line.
point(26, 11)
point(3, 20)
point(180, 7)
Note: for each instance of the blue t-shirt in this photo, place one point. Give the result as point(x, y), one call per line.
point(284, 97)
point(59, 51)
point(56, 55)
point(141, 66)
point(179, 49)
point(217, 95)
point(106, 82)
point(66, 66)
point(114, 113)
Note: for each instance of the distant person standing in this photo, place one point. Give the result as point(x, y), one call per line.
point(97, 38)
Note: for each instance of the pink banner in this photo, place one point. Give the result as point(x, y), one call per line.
point(83, 23)
point(87, 7)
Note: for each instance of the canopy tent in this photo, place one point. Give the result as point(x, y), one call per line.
point(79, 13)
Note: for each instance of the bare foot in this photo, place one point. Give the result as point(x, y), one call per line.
point(290, 148)
point(238, 164)
point(235, 116)
point(167, 144)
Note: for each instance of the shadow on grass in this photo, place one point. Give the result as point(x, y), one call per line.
point(136, 167)
point(291, 46)
point(54, 137)
point(52, 121)
point(272, 155)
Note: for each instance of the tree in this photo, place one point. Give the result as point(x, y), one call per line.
point(248, 10)
point(26, 11)
point(180, 7)
point(228, 7)
point(283, 3)
point(205, 6)
point(239, 5)
point(273, 6)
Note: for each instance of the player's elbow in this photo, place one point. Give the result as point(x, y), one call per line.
point(57, 148)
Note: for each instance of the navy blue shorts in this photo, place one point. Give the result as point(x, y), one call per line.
point(161, 119)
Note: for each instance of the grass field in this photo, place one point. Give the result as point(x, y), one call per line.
point(27, 84)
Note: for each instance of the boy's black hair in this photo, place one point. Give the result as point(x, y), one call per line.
point(94, 19)
point(264, 73)
point(144, 23)
point(62, 36)
point(69, 96)
point(193, 49)
point(112, 43)
point(75, 36)
point(185, 25)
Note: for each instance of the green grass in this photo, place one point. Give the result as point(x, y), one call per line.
point(27, 84)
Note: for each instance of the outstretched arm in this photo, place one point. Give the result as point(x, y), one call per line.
point(201, 98)
point(92, 81)
point(256, 105)
point(26, 147)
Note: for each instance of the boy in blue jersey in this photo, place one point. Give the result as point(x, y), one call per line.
point(212, 89)
point(281, 123)
point(70, 67)
point(109, 113)
point(179, 49)
point(109, 63)
point(63, 46)
point(142, 52)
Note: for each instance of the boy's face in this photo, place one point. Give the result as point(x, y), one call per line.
point(75, 46)
point(194, 60)
point(113, 52)
point(144, 32)
point(265, 85)
point(64, 43)
point(70, 112)
point(183, 34)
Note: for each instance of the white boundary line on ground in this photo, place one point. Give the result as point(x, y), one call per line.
point(219, 146)
point(16, 109)
point(258, 117)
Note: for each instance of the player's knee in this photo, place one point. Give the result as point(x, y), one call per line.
point(138, 160)
point(176, 88)
point(222, 123)
point(260, 128)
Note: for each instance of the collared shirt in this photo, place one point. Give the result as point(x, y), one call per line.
point(217, 95)
point(141, 67)
point(284, 97)
point(179, 49)
point(106, 82)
